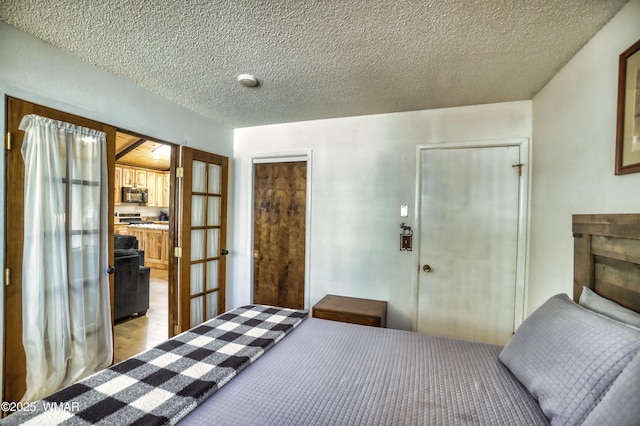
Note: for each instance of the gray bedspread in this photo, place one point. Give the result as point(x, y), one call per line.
point(330, 373)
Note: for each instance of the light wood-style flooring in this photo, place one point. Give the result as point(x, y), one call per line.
point(132, 336)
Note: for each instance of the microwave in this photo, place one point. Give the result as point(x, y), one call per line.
point(134, 195)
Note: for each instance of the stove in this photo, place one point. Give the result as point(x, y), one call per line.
point(132, 219)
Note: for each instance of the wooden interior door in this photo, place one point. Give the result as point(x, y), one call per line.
point(203, 233)
point(279, 233)
point(14, 381)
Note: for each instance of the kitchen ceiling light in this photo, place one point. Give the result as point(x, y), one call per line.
point(247, 80)
point(161, 151)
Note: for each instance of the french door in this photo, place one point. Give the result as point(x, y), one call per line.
point(202, 250)
point(14, 381)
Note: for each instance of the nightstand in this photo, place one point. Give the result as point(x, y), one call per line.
point(352, 310)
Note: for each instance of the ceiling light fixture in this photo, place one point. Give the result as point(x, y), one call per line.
point(161, 151)
point(247, 80)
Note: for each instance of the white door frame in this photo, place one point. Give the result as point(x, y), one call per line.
point(523, 217)
point(284, 157)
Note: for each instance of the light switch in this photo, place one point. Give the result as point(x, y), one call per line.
point(405, 243)
point(404, 210)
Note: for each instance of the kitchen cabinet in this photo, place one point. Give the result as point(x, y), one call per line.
point(154, 248)
point(128, 176)
point(156, 183)
point(141, 178)
point(152, 179)
point(160, 199)
point(154, 242)
point(117, 187)
point(162, 189)
point(139, 233)
point(165, 249)
point(159, 190)
point(166, 179)
point(121, 229)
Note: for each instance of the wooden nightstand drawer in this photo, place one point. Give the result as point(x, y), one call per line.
point(352, 310)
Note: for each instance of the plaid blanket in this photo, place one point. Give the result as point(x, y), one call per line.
point(160, 386)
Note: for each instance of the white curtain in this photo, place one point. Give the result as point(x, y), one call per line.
point(65, 287)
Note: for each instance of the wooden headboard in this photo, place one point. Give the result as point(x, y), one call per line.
point(607, 257)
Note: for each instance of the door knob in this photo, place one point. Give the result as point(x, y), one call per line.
point(426, 268)
point(110, 270)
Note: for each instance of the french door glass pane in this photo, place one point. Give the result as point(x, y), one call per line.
point(196, 310)
point(213, 213)
point(76, 208)
point(212, 304)
point(197, 278)
point(197, 244)
point(213, 244)
point(199, 171)
point(76, 242)
point(88, 244)
point(212, 274)
point(90, 199)
point(197, 210)
point(214, 179)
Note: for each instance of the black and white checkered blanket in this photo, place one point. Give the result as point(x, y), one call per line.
point(160, 386)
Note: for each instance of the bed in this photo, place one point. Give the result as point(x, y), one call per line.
point(567, 363)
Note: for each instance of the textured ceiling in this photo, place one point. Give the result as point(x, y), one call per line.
point(320, 59)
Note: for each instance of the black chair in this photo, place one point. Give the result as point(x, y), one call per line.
point(131, 278)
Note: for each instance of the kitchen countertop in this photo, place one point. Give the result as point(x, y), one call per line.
point(151, 226)
point(155, 222)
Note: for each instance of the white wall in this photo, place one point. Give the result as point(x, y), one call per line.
point(363, 170)
point(574, 134)
point(37, 72)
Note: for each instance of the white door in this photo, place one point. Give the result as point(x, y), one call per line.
point(469, 242)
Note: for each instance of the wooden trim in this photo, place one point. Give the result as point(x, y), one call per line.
point(174, 220)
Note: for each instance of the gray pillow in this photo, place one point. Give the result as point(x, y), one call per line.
point(594, 302)
point(621, 404)
point(568, 356)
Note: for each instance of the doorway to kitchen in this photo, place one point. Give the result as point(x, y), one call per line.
point(142, 234)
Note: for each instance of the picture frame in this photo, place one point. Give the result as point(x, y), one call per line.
point(628, 123)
